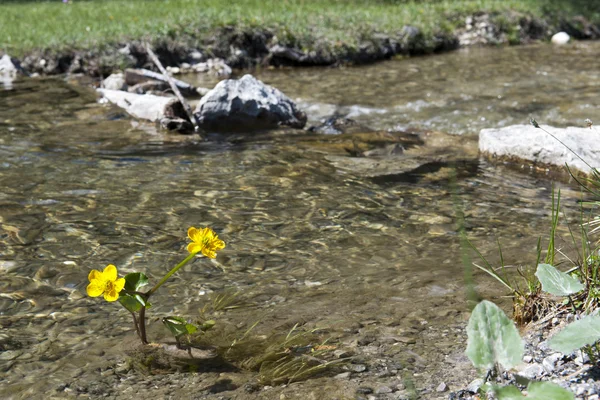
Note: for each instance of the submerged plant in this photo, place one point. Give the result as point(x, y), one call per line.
point(128, 289)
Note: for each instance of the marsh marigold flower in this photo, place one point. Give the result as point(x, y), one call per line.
point(206, 241)
point(105, 283)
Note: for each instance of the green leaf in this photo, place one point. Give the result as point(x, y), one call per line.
point(557, 282)
point(547, 390)
point(508, 393)
point(535, 391)
point(179, 326)
point(207, 325)
point(492, 338)
point(130, 302)
point(576, 335)
point(134, 281)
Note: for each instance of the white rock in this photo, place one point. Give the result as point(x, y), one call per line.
point(114, 82)
point(532, 371)
point(560, 38)
point(532, 144)
point(8, 71)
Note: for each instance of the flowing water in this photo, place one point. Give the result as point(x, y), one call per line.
point(82, 186)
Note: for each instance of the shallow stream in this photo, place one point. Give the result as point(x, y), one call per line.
point(82, 186)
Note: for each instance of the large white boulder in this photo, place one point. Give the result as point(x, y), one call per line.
point(247, 104)
point(532, 144)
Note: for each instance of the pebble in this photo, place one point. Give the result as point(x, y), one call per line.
point(475, 385)
point(343, 375)
point(549, 363)
point(442, 387)
point(357, 367)
point(527, 359)
point(383, 389)
point(532, 372)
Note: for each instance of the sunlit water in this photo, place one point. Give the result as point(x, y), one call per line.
point(81, 187)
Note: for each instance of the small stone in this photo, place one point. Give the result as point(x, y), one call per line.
point(364, 390)
point(593, 397)
point(549, 363)
point(581, 357)
point(343, 375)
point(532, 372)
point(555, 321)
point(357, 368)
point(527, 359)
point(442, 387)
point(543, 346)
point(383, 389)
point(475, 385)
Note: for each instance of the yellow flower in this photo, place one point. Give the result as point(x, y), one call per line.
point(105, 283)
point(205, 241)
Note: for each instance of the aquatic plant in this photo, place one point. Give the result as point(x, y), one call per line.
point(494, 342)
point(128, 289)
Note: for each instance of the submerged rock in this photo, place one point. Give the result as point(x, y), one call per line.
point(580, 147)
point(247, 104)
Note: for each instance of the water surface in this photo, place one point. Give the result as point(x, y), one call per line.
point(82, 186)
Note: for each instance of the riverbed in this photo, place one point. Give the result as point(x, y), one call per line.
point(373, 263)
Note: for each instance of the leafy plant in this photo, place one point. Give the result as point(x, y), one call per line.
point(128, 289)
point(493, 340)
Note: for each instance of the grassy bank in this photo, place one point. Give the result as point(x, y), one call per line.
point(29, 25)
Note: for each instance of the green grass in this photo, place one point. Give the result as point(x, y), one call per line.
point(29, 25)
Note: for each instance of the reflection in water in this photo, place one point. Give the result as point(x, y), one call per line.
point(81, 188)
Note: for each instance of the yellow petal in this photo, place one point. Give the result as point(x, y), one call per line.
point(209, 253)
point(119, 284)
point(194, 247)
point(96, 288)
point(110, 273)
point(111, 295)
point(193, 233)
point(94, 274)
point(218, 244)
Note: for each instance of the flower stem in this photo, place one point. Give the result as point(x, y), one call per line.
point(168, 275)
point(142, 324)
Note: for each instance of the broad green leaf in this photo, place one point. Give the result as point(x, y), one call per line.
point(557, 282)
point(576, 335)
point(547, 391)
point(134, 281)
point(508, 393)
point(535, 391)
point(130, 302)
point(492, 338)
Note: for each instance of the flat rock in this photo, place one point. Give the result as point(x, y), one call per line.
point(247, 104)
point(527, 143)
